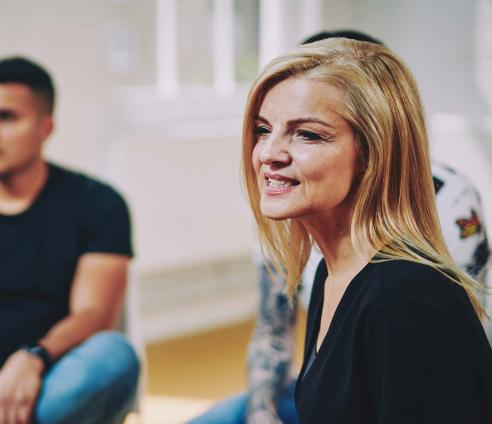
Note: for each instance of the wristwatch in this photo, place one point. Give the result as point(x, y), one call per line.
point(40, 352)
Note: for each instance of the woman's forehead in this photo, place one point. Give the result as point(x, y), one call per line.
point(302, 96)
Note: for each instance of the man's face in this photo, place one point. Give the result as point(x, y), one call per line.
point(24, 125)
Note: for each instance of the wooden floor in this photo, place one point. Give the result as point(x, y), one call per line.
point(187, 375)
point(208, 365)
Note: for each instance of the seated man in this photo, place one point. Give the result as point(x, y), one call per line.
point(270, 396)
point(64, 253)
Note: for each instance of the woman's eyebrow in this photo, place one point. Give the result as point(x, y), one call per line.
point(309, 119)
point(260, 118)
point(294, 122)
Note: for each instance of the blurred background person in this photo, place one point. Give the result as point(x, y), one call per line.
point(270, 395)
point(64, 258)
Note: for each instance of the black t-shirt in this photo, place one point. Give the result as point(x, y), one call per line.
point(404, 347)
point(40, 248)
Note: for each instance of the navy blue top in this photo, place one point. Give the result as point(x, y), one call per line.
point(40, 248)
point(404, 347)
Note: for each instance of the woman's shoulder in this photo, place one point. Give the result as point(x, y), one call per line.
point(407, 278)
point(407, 287)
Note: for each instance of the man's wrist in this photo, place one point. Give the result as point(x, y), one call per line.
point(41, 353)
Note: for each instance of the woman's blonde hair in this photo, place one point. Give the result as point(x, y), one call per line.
point(394, 209)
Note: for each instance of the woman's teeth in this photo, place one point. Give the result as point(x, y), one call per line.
point(279, 183)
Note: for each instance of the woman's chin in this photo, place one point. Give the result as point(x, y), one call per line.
point(277, 214)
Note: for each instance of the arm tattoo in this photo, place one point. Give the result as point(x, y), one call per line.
point(271, 348)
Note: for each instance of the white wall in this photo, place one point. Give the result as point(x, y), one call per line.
point(180, 171)
point(70, 39)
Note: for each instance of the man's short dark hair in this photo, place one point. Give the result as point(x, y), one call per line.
point(349, 33)
point(23, 71)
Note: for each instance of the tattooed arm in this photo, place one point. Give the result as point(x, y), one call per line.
point(270, 351)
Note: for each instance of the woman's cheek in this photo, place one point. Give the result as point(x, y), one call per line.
point(256, 158)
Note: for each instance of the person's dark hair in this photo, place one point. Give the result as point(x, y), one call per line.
point(23, 71)
point(350, 34)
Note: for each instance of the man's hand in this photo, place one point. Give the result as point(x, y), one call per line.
point(20, 381)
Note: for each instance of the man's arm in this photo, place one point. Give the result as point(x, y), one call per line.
point(96, 299)
point(270, 351)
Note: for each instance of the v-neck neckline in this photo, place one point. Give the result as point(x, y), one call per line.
point(319, 311)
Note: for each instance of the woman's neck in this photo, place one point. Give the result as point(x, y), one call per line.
point(333, 238)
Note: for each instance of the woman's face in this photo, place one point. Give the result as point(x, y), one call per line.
point(305, 155)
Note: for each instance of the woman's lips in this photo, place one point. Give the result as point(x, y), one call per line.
point(278, 184)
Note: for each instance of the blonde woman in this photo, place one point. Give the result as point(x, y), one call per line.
point(335, 153)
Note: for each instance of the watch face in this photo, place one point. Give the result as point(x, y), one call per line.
point(36, 350)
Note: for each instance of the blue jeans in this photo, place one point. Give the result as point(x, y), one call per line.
point(233, 410)
point(93, 383)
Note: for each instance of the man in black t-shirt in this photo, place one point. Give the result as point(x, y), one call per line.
point(64, 253)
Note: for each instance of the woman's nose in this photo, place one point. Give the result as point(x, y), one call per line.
point(275, 151)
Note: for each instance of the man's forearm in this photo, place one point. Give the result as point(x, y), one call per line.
point(96, 299)
point(74, 329)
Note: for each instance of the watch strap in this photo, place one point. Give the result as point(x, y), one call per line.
point(41, 353)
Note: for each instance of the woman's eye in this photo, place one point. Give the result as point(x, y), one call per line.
point(309, 135)
point(6, 115)
point(261, 131)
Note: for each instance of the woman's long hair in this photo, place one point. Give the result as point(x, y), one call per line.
point(394, 209)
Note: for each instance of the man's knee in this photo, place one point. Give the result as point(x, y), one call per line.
point(112, 355)
point(113, 344)
point(102, 372)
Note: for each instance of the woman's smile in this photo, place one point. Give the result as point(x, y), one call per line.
point(276, 184)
